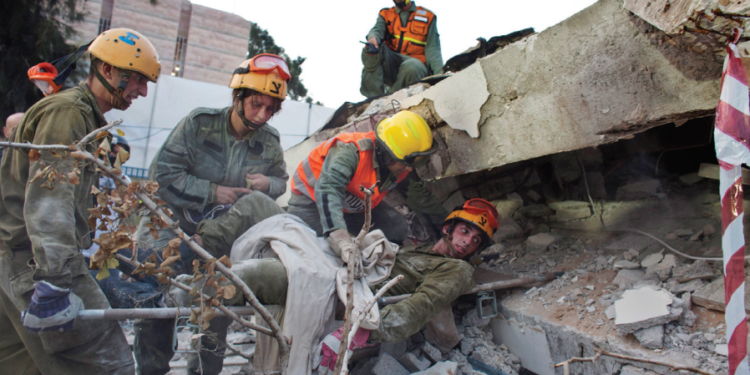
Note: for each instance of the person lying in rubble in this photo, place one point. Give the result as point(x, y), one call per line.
point(218, 171)
point(435, 274)
point(325, 186)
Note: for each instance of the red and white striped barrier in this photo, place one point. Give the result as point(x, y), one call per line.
point(732, 136)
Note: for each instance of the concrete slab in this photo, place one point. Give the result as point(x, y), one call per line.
point(711, 296)
point(528, 342)
point(642, 308)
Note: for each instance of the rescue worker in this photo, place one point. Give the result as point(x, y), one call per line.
point(42, 271)
point(216, 172)
point(325, 186)
point(407, 49)
point(434, 274)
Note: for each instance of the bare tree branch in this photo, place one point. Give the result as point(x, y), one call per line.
point(355, 259)
point(599, 353)
point(363, 315)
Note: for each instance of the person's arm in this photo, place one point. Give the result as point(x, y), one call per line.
point(176, 186)
point(49, 214)
point(432, 52)
point(428, 208)
point(276, 173)
point(337, 171)
point(377, 32)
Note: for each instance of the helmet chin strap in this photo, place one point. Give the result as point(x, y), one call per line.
point(116, 94)
point(241, 112)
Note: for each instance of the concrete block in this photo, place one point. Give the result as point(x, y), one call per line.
point(637, 190)
point(624, 264)
point(652, 337)
point(711, 296)
point(506, 208)
point(507, 229)
point(644, 308)
point(394, 349)
point(388, 365)
point(412, 363)
point(540, 242)
point(441, 368)
point(698, 270)
point(431, 352)
point(652, 259)
point(632, 370)
point(570, 210)
point(626, 278)
point(664, 268)
point(690, 286)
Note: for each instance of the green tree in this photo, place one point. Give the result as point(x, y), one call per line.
point(262, 42)
point(33, 31)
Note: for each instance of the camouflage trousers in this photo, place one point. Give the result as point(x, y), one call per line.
point(91, 347)
point(389, 69)
point(153, 338)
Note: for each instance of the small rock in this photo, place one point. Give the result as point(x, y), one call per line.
point(540, 242)
point(467, 345)
point(551, 263)
point(577, 292)
point(412, 363)
point(611, 312)
point(506, 208)
point(507, 229)
point(708, 230)
point(664, 268)
point(388, 365)
point(652, 337)
point(626, 278)
point(683, 232)
point(590, 287)
point(589, 302)
point(431, 352)
point(628, 256)
point(690, 286)
point(722, 349)
point(591, 308)
point(601, 263)
point(671, 236)
point(652, 259)
point(625, 264)
point(563, 299)
point(611, 259)
point(534, 195)
point(696, 236)
point(471, 318)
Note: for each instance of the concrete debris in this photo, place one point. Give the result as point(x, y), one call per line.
point(664, 268)
point(683, 232)
point(632, 370)
point(534, 195)
point(722, 349)
point(698, 270)
point(624, 264)
point(570, 210)
point(652, 259)
point(507, 229)
point(708, 230)
point(644, 308)
point(388, 365)
point(506, 208)
point(627, 278)
point(638, 190)
point(540, 242)
point(394, 349)
point(690, 286)
point(652, 337)
point(441, 368)
point(471, 319)
point(431, 352)
point(515, 197)
point(611, 312)
point(634, 242)
point(414, 364)
point(535, 211)
point(711, 296)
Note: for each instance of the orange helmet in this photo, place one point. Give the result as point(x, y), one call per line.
point(43, 76)
point(479, 213)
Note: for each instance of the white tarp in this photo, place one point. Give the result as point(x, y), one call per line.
point(148, 122)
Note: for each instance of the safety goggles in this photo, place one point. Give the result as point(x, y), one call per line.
point(266, 63)
point(478, 206)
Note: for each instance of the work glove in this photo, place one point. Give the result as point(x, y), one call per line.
point(51, 309)
point(329, 348)
point(342, 243)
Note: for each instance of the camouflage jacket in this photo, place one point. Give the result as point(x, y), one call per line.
point(50, 222)
point(200, 154)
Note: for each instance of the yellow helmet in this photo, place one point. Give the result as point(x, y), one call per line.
point(128, 50)
point(407, 138)
point(265, 73)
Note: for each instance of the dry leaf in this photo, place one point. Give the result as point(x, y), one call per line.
point(103, 273)
point(101, 134)
point(34, 155)
point(94, 190)
point(229, 292)
point(78, 155)
point(175, 242)
point(225, 261)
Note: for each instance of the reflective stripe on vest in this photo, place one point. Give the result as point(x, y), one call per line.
point(306, 175)
point(409, 40)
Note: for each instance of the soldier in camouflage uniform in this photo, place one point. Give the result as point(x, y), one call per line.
point(43, 229)
point(435, 275)
point(219, 171)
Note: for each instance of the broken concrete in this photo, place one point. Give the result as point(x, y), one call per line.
point(441, 368)
point(506, 208)
point(388, 365)
point(711, 296)
point(697, 270)
point(540, 242)
point(652, 338)
point(414, 364)
point(644, 308)
point(570, 210)
point(637, 190)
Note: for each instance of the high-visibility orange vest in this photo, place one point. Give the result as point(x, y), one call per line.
point(307, 173)
point(411, 39)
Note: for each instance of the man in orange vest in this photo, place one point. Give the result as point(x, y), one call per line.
point(413, 49)
point(325, 186)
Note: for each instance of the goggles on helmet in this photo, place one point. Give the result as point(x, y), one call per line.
point(266, 63)
point(43, 76)
point(419, 159)
point(478, 206)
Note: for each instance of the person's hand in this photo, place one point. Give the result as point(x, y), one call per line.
point(330, 348)
point(229, 195)
point(51, 309)
point(342, 243)
point(374, 41)
point(260, 182)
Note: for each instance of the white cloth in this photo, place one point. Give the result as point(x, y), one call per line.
point(314, 272)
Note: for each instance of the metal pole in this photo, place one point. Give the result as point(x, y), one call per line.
point(158, 313)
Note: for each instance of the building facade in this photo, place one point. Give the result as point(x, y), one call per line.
point(193, 41)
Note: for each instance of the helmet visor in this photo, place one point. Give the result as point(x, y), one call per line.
point(266, 63)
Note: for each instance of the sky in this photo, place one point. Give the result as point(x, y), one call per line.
point(327, 32)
